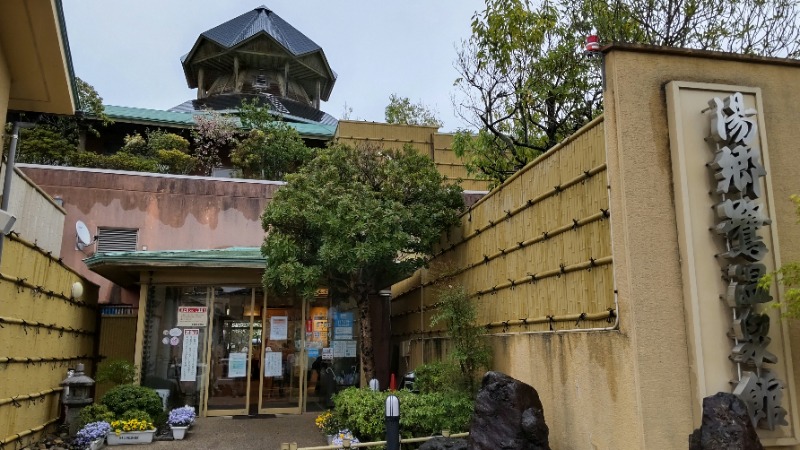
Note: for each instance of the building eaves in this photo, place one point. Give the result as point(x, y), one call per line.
point(76, 101)
point(158, 117)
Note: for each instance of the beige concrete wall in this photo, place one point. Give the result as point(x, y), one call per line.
point(644, 227)
point(39, 218)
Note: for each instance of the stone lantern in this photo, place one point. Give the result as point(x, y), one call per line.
point(77, 391)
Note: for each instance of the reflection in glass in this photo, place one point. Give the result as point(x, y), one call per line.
point(230, 350)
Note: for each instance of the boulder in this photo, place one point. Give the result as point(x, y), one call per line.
point(725, 425)
point(443, 443)
point(508, 415)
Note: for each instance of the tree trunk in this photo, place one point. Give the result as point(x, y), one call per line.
point(365, 324)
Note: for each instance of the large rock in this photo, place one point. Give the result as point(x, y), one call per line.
point(508, 415)
point(726, 425)
point(443, 443)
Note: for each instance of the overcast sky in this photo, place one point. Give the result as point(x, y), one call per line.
point(130, 50)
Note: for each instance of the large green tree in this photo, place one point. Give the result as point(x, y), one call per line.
point(526, 84)
point(271, 149)
point(400, 110)
point(355, 220)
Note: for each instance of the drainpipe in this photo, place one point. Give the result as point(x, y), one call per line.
point(12, 154)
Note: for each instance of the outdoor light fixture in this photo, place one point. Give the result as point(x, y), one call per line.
point(392, 423)
point(77, 391)
point(592, 43)
point(374, 384)
point(7, 221)
point(77, 289)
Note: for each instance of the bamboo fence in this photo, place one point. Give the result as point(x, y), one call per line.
point(534, 254)
point(44, 331)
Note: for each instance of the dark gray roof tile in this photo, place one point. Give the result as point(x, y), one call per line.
point(261, 19)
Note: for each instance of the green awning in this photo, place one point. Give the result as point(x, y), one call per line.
point(124, 268)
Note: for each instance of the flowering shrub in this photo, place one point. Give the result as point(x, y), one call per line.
point(91, 432)
point(344, 434)
point(181, 417)
point(327, 423)
point(120, 426)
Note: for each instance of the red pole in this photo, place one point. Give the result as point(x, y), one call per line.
point(392, 383)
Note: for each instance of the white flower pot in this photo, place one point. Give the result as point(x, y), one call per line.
point(97, 444)
point(130, 437)
point(330, 438)
point(178, 432)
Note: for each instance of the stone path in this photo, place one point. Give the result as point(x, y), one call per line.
point(265, 433)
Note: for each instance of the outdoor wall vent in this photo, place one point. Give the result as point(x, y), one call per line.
point(117, 239)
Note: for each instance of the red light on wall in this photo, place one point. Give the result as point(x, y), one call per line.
point(592, 43)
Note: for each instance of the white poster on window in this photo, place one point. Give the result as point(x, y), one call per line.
point(278, 327)
point(339, 347)
point(192, 316)
point(237, 365)
point(350, 349)
point(191, 338)
point(273, 366)
point(343, 332)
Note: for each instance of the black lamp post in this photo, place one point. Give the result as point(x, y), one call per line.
point(392, 423)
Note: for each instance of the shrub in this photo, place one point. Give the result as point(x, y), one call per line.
point(437, 376)
point(135, 144)
point(127, 161)
point(159, 140)
point(362, 412)
point(96, 413)
point(116, 371)
point(470, 351)
point(44, 145)
point(136, 414)
point(176, 161)
point(85, 159)
point(128, 397)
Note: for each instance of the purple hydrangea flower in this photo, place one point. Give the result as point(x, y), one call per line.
point(181, 417)
point(91, 432)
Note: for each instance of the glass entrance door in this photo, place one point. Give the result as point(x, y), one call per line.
point(230, 350)
point(282, 359)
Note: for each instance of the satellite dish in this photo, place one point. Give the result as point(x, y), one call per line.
point(84, 238)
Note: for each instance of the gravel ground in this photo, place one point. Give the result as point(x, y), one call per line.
point(265, 433)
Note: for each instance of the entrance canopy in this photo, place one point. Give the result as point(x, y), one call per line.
point(236, 264)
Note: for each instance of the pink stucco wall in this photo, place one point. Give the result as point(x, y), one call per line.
point(171, 212)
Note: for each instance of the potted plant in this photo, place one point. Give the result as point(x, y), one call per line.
point(131, 431)
point(344, 439)
point(179, 420)
point(92, 435)
point(328, 424)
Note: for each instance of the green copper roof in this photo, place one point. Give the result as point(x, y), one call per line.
point(123, 268)
point(186, 120)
